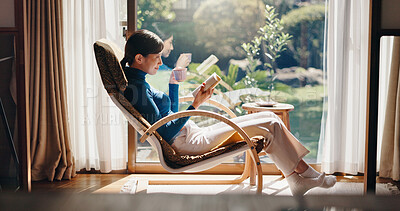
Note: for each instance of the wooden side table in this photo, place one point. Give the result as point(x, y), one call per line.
point(280, 109)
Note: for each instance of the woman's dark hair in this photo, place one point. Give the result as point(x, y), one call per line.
point(142, 42)
point(164, 35)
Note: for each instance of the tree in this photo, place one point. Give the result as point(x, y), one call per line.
point(222, 26)
point(150, 11)
point(306, 24)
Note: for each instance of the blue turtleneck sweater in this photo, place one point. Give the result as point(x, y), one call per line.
point(154, 104)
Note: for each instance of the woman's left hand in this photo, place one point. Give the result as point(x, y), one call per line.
point(202, 96)
point(178, 74)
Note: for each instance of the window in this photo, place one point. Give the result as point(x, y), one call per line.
point(220, 27)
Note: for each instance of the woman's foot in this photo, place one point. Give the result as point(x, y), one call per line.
point(300, 185)
point(329, 181)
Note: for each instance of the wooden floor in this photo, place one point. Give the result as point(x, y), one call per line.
point(63, 195)
point(90, 183)
point(82, 183)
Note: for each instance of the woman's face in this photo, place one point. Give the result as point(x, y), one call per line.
point(151, 63)
point(168, 47)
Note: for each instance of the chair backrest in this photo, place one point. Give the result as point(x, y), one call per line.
point(108, 56)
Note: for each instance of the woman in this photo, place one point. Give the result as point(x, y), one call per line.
point(183, 60)
point(143, 55)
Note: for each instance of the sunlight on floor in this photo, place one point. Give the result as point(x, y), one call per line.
point(272, 185)
point(143, 178)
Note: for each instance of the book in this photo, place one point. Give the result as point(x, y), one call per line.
point(210, 83)
point(211, 60)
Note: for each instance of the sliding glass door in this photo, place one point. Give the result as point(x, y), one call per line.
point(291, 73)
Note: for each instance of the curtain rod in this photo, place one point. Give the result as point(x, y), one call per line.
point(6, 58)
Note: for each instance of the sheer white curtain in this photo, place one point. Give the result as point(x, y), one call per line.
point(98, 129)
point(341, 147)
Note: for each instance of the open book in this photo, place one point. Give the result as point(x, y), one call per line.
point(212, 59)
point(211, 82)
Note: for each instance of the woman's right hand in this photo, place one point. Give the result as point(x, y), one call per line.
point(202, 96)
point(183, 61)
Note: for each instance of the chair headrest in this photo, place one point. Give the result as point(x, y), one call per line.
point(108, 56)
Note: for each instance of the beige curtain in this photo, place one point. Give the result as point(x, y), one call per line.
point(390, 153)
point(51, 156)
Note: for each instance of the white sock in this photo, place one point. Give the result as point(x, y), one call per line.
point(299, 185)
point(310, 172)
point(329, 181)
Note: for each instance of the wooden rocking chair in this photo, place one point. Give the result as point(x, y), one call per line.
point(108, 56)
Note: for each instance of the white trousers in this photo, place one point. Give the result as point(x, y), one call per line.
point(283, 148)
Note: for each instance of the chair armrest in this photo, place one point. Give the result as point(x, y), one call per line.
point(212, 102)
point(219, 117)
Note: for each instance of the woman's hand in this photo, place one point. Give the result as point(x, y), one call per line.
point(172, 79)
point(183, 61)
point(202, 96)
point(178, 74)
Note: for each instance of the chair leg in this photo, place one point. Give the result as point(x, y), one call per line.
point(252, 168)
point(244, 176)
point(255, 171)
point(238, 180)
